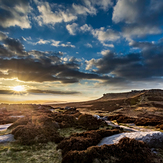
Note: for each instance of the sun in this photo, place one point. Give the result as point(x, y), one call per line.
point(18, 88)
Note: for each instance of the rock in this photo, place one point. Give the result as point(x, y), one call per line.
point(5, 126)
point(6, 138)
point(67, 107)
point(105, 118)
point(97, 116)
point(153, 139)
point(70, 108)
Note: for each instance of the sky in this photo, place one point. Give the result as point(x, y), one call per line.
point(75, 50)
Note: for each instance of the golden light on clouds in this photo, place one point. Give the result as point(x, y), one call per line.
point(18, 88)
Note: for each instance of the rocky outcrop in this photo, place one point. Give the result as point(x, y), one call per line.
point(152, 139)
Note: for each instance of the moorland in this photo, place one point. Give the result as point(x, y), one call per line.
point(71, 132)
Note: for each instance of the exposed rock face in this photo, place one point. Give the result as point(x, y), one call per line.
point(153, 139)
point(124, 95)
point(5, 126)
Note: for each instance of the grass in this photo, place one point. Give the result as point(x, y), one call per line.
point(15, 153)
point(5, 132)
point(46, 153)
point(66, 132)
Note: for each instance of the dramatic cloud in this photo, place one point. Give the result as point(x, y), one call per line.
point(38, 91)
point(140, 30)
point(10, 47)
point(117, 41)
point(53, 13)
point(44, 69)
point(141, 17)
point(128, 11)
point(47, 16)
point(52, 92)
point(110, 61)
point(144, 66)
point(15, 13)
point(39, 66)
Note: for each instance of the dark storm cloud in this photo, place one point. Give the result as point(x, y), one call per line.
point(52, 92)
point(14, 45)
point(112, 68)
point(112, 61)
point(38, 91)
point(29, 70)
point(81, 75)
point(11, 47)
point(39, 66)
point(144, 66)
point(6, 92)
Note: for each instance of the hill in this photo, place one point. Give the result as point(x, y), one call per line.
point(143, 103)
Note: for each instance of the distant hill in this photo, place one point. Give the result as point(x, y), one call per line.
point(131, 94)
point(133, 103)
point(118, 96)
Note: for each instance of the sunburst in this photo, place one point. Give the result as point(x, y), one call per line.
point(18, 88)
